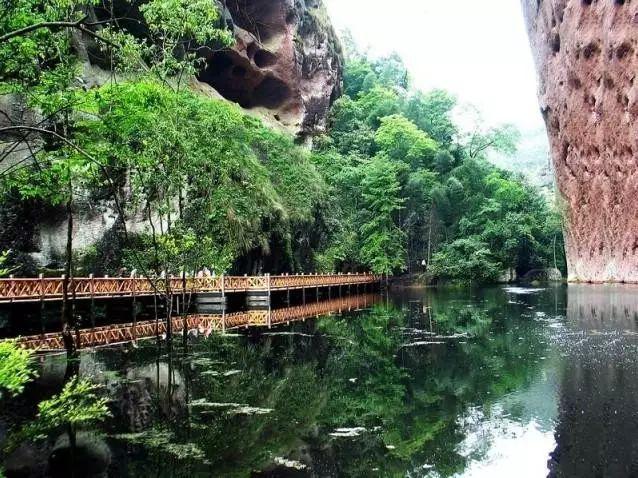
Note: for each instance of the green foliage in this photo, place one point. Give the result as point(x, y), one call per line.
point(40, 55)
point(381, 202)
point(432, 113)
point(15, 368)
point(77, 406)
point(240, 183)
point(4, 257)
point(466, 260)
point(401, 140)
point(451, 209)
point(177, 28)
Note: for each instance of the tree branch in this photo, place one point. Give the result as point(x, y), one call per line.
point(80, 25)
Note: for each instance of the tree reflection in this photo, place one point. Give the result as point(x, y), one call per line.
point(377, 390)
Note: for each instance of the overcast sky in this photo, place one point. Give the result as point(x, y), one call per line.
point(476, 49)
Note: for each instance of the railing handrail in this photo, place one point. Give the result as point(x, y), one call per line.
point(112, 278)
point(48, 288)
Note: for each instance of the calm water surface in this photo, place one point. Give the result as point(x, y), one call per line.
point(479, 383)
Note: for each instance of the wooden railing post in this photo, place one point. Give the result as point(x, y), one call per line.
point(13, 286)
point(92, 291)
point(134, 311)
point(268, 285)
point(42, 325)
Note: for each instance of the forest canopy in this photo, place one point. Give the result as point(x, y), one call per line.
point(417, 193)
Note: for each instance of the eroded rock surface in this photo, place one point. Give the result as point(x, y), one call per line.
point(586, 54)
point(286, 63)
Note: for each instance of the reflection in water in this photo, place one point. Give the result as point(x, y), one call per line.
point(598, 423)
point(437, 383)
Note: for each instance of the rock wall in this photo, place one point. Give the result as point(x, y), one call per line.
point(585, 52)
point(286, 64)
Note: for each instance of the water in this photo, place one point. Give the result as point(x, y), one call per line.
point(481, 383)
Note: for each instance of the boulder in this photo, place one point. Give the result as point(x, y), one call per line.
point(90, 458)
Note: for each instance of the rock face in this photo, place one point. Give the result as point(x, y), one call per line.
point(286, 63)
point(586, 58)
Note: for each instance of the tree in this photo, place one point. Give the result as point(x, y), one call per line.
point(392, 73)
point(480, 138)
point(378, 103)
point(401, 140)
point(382, 243)
point(432, 113)
point(77, 406)
point(466, 260)
point(177, 31)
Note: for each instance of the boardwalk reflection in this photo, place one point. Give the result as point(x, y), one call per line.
point(598, 419)
point(201, 324)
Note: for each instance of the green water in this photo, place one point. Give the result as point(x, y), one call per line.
point(497, 382)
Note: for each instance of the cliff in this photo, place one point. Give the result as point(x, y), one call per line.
point(585, 52)
point(286, 64)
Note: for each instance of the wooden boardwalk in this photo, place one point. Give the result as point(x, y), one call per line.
point(197, 324)
point(50, 289)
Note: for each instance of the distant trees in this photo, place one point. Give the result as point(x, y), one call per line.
point(453, 210)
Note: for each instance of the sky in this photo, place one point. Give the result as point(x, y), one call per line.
point(476, 49)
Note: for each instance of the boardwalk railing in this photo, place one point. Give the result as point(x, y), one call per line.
point(48, 289)
point(204, 324)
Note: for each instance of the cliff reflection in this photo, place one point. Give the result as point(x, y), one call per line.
point(598, 416)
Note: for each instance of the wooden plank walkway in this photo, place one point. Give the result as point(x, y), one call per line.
point(50, 289)
point(200, 324)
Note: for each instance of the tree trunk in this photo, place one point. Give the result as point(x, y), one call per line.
point(67, 316)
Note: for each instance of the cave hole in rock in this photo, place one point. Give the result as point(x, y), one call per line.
point(591, 50)
point(271, 93)
point(564, 153)
point(556, 43)
point(574, 83)
point(231, 79)
point(236, 80)
point(264, 59)
point(624, 50)
point(623, 100)
point(251, 50)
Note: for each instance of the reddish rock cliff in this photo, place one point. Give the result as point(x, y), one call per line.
point(286, 63)
point(586, 54)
